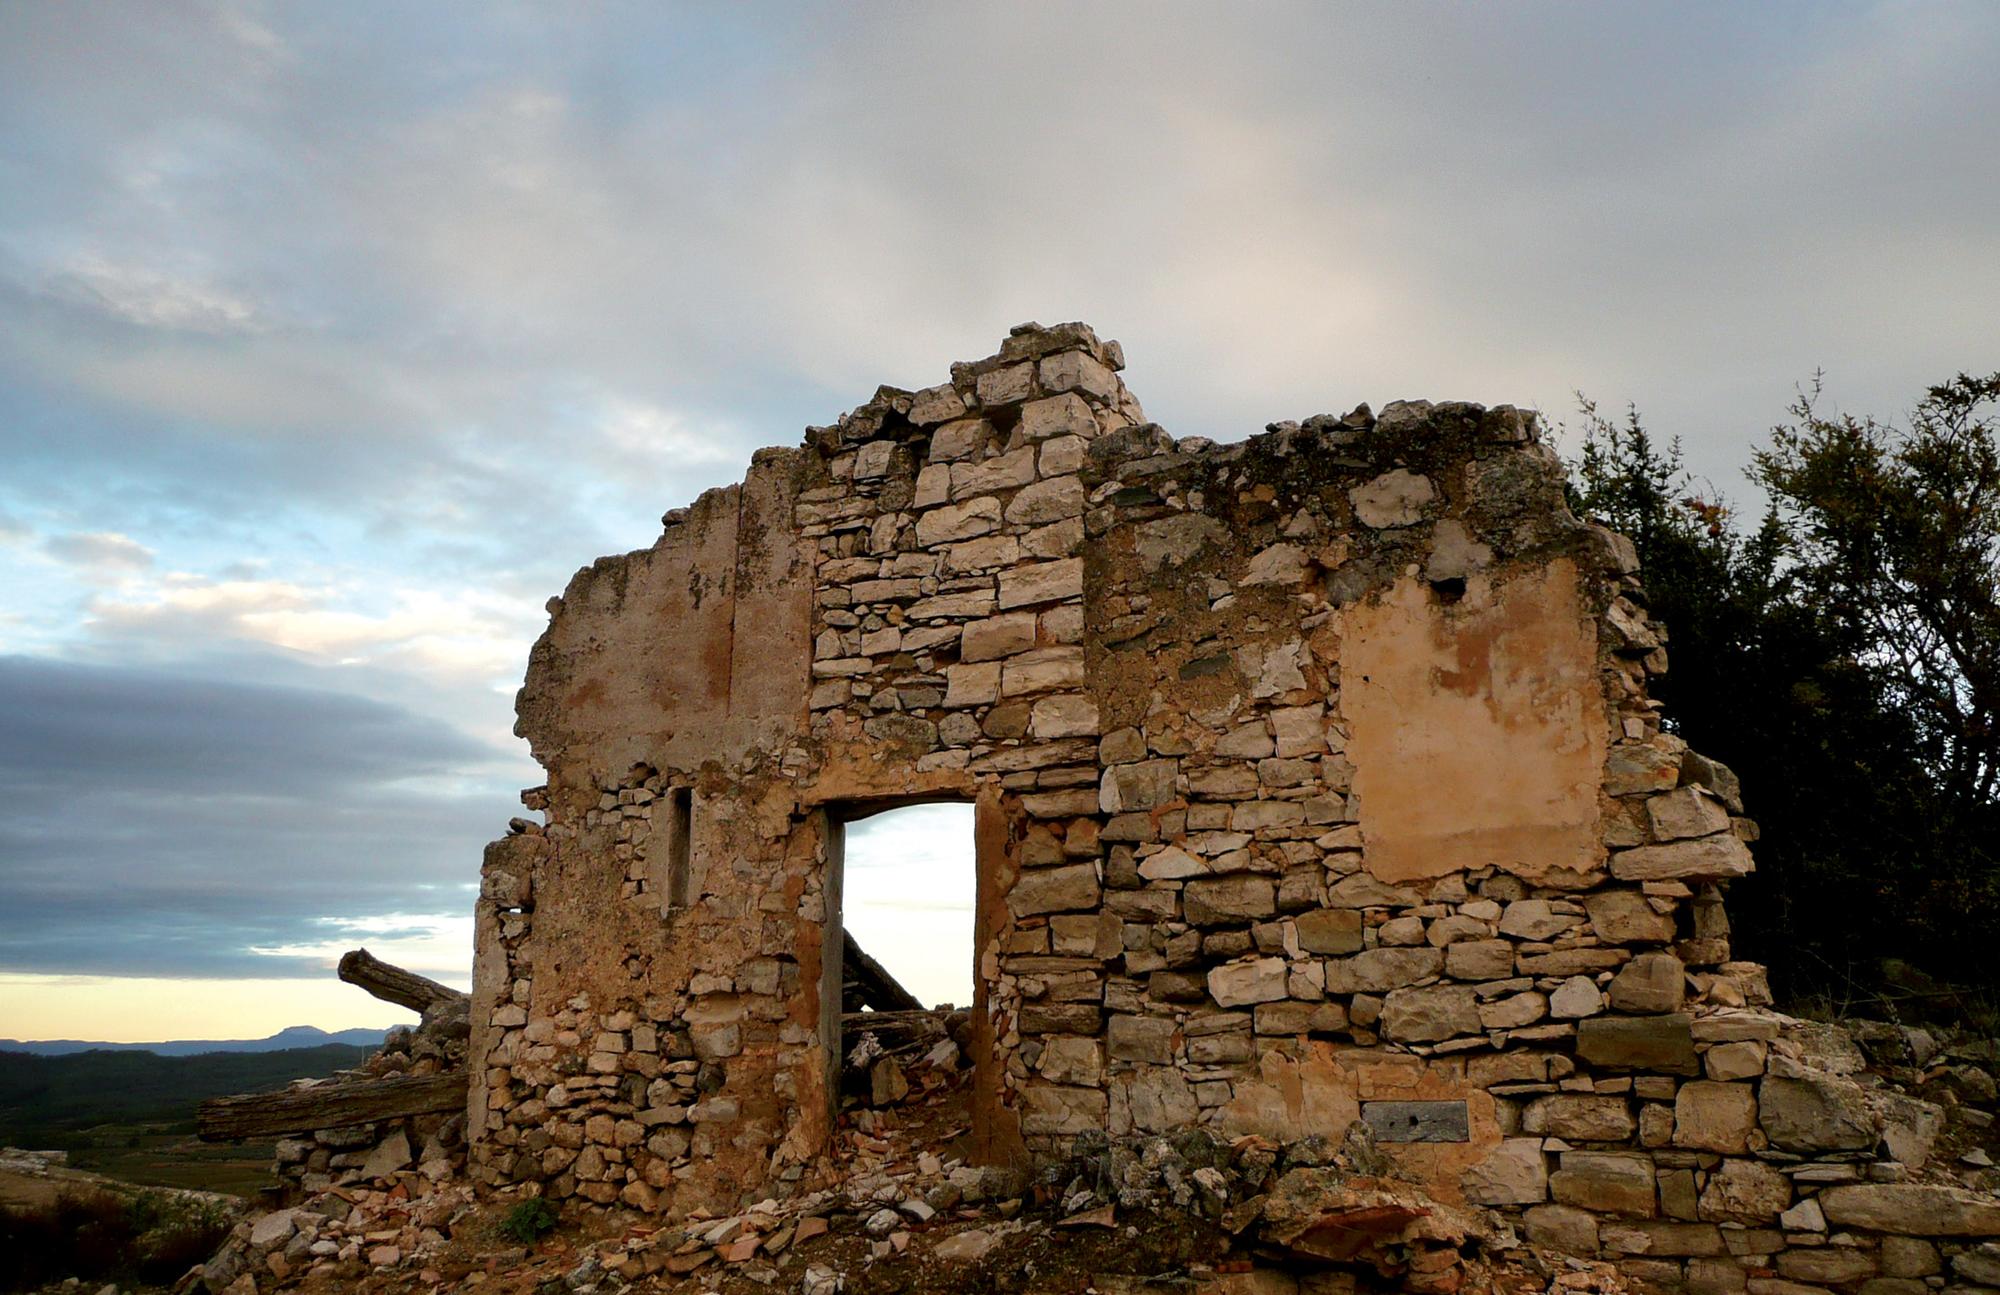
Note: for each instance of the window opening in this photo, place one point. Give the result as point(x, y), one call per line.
point(680, 828)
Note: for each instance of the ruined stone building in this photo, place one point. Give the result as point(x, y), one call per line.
point(1315, 780)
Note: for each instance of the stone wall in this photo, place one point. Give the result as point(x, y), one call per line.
point(1317, 781)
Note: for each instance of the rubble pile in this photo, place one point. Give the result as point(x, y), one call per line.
point(374, 1153)
point(339, 1233)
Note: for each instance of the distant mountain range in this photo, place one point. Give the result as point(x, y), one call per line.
point(292, 1036)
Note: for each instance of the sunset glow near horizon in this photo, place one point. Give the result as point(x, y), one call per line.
point(334, 338)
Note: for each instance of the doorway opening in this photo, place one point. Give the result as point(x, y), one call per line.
point(908, 891)
point(902, 996)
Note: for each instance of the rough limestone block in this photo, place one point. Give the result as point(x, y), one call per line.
point(1578, 1117)
point(1002, 472)
point(1901, 1256)
point(934, 405)
point(1063, 456)
point(1250, 741)
point(1650, 983)
point(1145, 785)
point(1515, 1173)
point(1576, 998)
point(1710, 1116)
point(1910, 1126)
point(1627, 917)
point(1534, 919)
point(1607, 1182)
point(976, 684)
point(1173, 864)
point(1827, 1265)
point(1639, 1043)
point(1513, 1012)
point(1217, 901)
point(1050, 1110)
point(953, 522)
point(1005, 386)
point(1068, 1059)
point(1980, 1267)
point(1816, 1113)
point(1396, 498)
point(1708, 858)
point(1053, 669)
point(1911, 1209)
point(1141, 1038)
point(1479, 959)
point(1041, 582)
point(1047, 501)
point(1432, 1014)
point(872, 460)
point(1054, 890)
point(1457, 928)
point(960, 439)
point(1563, 1227)
point(1239, 984)
point(1300, 730)
point(1684, 813)
point(1663, 1239)
point(1062, 415)
point(1379, 970)
point(1401, 930)
point(1078, 371)
point(1162, 1101)
point(1745, 1191)
point(1299, 1017)
point(1329, 930)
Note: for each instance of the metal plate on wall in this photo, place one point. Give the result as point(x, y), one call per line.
point(1417, 1121)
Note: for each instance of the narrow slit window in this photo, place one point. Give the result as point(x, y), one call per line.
point(680, 828)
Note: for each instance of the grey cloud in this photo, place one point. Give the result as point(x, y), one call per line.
point(164, 825)
point(1325, 205)
point(99, 550)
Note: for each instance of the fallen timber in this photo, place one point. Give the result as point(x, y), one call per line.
point(335, 1104)
point(866, 983)
point(392, 984)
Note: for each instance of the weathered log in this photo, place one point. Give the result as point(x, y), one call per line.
point(865, 983)
point(329, 1106)
point(895, 1031)
point(392, 984)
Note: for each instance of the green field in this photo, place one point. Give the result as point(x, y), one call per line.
point(130, 1115)
point(147, 1155)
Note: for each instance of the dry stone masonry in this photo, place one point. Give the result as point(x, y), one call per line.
point(1316, 782)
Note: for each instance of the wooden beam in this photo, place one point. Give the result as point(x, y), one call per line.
point(895, 1031)
point(329, 1106)
point(392, 984)
point(873, 986)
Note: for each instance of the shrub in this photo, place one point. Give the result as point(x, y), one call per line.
point(528, 1221)
point(149, 1237)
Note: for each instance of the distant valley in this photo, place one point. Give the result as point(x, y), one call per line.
point(129, 1112)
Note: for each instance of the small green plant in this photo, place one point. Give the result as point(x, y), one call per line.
point(528, 1221)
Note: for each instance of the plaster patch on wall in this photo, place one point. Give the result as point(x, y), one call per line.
point(1491, 702)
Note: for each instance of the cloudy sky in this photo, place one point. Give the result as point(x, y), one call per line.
point(333, 337)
